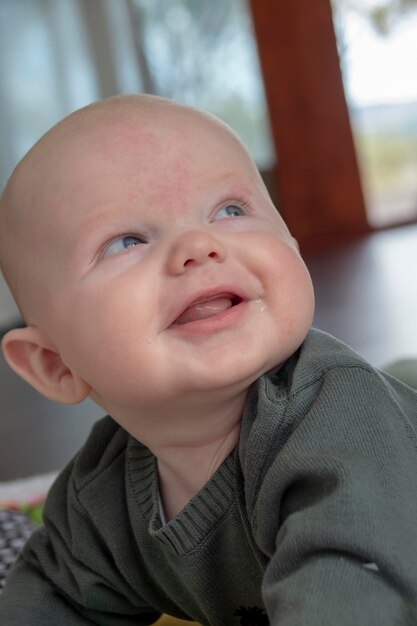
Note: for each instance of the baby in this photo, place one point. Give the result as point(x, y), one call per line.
point(253, 471)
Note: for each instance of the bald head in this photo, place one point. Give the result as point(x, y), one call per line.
point(36, 198)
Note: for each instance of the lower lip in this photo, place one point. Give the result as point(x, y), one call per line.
point(221, 321)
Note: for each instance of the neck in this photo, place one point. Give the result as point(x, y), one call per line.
point(183, 471)
point(201, 441)
point(190, 439)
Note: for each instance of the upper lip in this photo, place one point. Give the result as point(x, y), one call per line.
point(205, 295)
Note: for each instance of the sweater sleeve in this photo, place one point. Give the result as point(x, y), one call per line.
point(336, 512)
point(67, 574)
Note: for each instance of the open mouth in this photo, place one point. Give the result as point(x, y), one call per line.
point(207, 308)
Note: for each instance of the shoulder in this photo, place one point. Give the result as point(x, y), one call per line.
point(326, 367)
point(327, 423)
point(319, 354)
point(104, 448)
point(328, 375)
point(106, 443)
point(341, 376)
point(326, 396)
point(301, 378)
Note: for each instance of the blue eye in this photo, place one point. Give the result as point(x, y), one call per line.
point(230, 210)
point(122, 244)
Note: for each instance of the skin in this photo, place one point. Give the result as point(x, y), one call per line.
point(105, 319)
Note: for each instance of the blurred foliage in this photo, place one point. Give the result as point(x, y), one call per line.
point(393, 160)
point(203, 53)
point(386, 134)
point(384, 16)
point(184, 39)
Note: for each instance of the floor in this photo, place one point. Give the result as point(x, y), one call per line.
point(366, 294)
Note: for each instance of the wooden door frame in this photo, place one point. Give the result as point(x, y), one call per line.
point(317, 174)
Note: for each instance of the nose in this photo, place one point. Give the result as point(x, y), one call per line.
point(194, 248)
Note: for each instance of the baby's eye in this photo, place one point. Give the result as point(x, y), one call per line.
point(230, 210)
point(122, 244)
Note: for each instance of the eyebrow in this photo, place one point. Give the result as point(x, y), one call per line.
point(232, 182)
point(93, 222)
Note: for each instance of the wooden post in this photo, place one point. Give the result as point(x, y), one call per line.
point(319, 187)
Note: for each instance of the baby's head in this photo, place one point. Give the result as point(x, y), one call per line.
point(147, 259)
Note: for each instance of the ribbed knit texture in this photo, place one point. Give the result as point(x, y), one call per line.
point(312, 520)
point(190, 526)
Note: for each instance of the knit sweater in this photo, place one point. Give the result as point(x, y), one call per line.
point(311, 520)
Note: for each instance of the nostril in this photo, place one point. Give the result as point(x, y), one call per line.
point(211, 255)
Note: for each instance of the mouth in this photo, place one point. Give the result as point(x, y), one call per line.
point(207, 307)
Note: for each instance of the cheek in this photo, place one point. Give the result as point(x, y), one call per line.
point(289, 290)
point(104, 330)
point(293, 283)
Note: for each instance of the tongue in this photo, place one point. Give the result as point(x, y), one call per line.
point(203, 310)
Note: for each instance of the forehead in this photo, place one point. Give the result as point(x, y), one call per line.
point(157, 158)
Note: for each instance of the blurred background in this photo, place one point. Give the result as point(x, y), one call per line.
point(323, 93)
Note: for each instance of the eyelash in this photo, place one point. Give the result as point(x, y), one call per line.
point(105, 247)
point(238, 203)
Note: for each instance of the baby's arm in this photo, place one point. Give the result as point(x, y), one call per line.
point(337, 509)
point(66, 574)
point(29, 599)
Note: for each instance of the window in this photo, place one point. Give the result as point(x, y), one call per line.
point(378, 46)
point(204, 54)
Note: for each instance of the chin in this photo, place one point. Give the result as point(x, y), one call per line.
point(237, 375)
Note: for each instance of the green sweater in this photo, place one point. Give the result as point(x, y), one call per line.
point(312, 519)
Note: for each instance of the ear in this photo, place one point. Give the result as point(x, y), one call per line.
point(32, 356)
